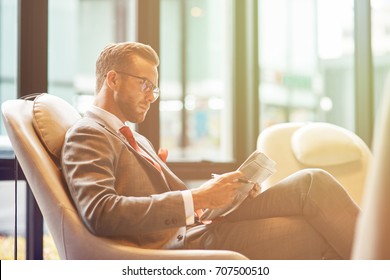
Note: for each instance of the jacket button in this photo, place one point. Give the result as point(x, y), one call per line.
point(167, 222)
point(179, 237)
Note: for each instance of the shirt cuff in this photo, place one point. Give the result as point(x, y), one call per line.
point(188, 207)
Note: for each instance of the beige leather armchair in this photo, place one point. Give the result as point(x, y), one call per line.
point(36, 130)
point(294, 146)
point(372, 240)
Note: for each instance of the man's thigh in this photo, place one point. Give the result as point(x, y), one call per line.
point(272, 238)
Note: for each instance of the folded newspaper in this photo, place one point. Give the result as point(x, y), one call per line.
point(257, 168)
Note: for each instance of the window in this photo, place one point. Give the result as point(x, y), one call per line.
point(78, 31)
point(306, 54)
point(380, 33)
point(195, 80)
point(8, 64)
point(8, 52)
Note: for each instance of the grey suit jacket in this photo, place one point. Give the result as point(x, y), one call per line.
point(117, 192)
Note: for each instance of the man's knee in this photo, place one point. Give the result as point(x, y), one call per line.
point(316, 174)
point(309, 180)
point(316, 178)
point(321, 183)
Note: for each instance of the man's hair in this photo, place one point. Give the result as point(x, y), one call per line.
point(119, 56)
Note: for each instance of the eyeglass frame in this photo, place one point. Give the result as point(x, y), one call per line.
point(147, 85)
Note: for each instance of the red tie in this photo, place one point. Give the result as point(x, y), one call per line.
point(126, 131)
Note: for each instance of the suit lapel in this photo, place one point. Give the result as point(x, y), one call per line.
point(173, 181)
point(170, 180)
point(116, 134)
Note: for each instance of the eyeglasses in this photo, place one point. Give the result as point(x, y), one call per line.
point(146, 87)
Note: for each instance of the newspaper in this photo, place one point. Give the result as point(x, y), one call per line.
point(257, 168)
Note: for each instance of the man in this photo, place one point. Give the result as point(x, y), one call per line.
point(123, 190)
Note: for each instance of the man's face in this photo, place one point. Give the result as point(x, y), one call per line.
point(132, 102)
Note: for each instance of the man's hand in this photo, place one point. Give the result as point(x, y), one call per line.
point(255, 191)
point(217, 192)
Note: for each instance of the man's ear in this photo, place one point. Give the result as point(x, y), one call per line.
point(112, 80)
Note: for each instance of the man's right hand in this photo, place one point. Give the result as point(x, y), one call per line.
point(217, 192)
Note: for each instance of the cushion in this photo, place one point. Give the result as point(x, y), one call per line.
point(323, 144)
point(52, 117)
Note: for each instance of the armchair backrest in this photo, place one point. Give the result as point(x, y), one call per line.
point(40, 167)
point(36, 130)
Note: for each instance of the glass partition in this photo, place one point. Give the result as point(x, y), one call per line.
point(78, 31)
point(8, 52)
point(380, 33)
point(195, 81)
point(306, 53)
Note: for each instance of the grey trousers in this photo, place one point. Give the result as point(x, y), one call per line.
point(308, 215)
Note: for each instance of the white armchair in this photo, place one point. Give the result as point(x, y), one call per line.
point(295, 146)
point(36, 130)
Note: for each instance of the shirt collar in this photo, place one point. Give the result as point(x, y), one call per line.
point(113, 121)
